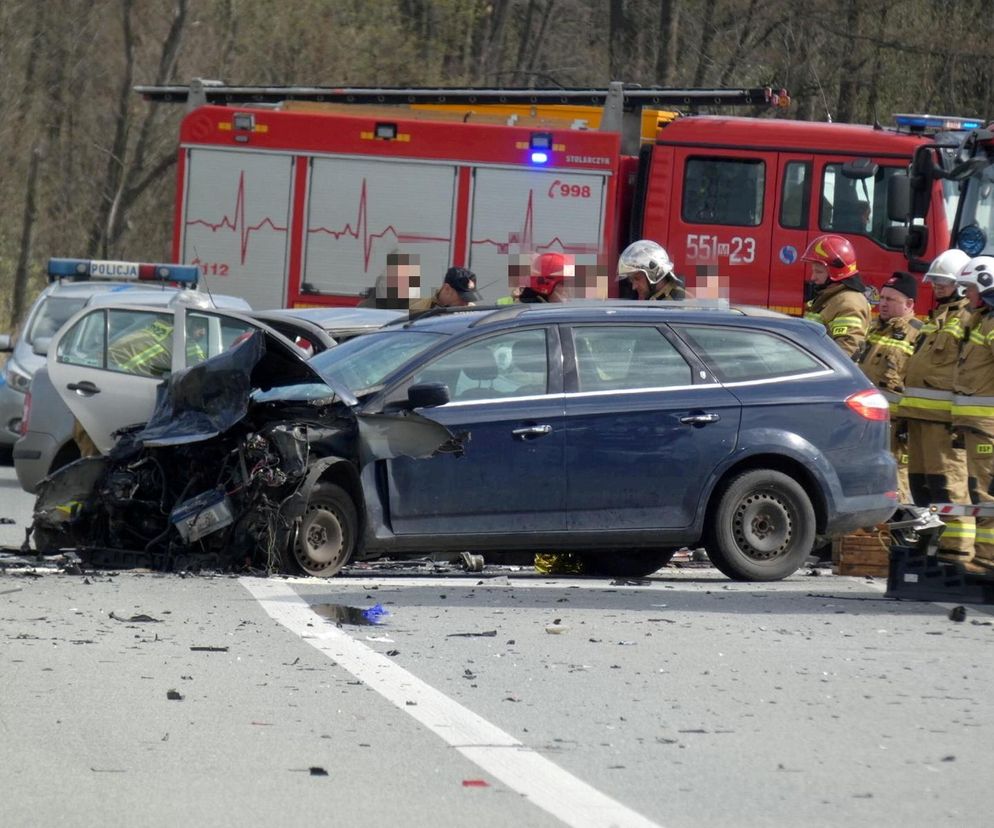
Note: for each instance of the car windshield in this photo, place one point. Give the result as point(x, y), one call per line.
point(364, 362)
point(53, 313)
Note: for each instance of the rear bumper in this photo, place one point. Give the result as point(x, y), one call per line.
point(11, 408)
point(860, 513)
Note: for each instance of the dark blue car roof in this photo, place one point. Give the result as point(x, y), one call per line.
point(456, 320)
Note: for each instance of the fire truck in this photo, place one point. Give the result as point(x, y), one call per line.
point(295, 196)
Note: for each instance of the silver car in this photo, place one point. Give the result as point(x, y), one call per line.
point(48, 442)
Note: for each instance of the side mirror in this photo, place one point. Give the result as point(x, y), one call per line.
point(6, 343)
point(40, 345)
point(860, 168)
point(428, 395)
point(916, 241)
point(966, 169)
point(899, 198)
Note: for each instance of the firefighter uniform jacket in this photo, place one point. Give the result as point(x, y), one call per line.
point(973, 386)
point(669, 290)
point(419, 305)
point(885, 354)
point(844, 312)
point(928, 378)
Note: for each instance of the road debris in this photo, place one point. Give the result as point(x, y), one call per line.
point(209, 649)
point(957, 614)
point(356, 616)
point(141, 618)
point(487, 634)
point(174, 695)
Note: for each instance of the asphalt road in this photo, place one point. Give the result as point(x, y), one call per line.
point(502, 698)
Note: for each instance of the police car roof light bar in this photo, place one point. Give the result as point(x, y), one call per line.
point(83, 270)
point(919, 123)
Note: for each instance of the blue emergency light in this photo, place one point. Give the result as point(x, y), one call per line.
point(540, 147)
point(947, 122)
point(82, 270)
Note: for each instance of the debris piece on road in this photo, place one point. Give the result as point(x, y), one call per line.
point(487, 634)
point(318, 771)
point(957, 614)
point(557, 627)
point(174, 695)
point(475, 783)
point(6, 521)
point(141, 618)
point(357, 616)
point(471, 562)
point(209, 649)
point(629, 582)
point(393, 652)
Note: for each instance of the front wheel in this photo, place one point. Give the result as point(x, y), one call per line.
point(763, 527)
point(328, 532)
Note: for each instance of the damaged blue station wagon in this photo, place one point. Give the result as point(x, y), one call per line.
point(621, 431)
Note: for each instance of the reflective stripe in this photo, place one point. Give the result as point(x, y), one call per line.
point(972, 399)
point(892, 397)
point(973, 410)
point(848, 320)
point(985, 534)
point(814, 317)
point(929, 328)
point(887, 342)
point(926, 405)
point(929, 393)
point(955, 529)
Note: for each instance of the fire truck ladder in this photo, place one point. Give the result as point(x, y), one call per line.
point(621, 104)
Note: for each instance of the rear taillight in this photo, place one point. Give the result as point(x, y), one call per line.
point(25, 414)
point(870, 404)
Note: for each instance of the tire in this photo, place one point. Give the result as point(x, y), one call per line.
point(629, 563)
point(328, 532)
point(763, 527)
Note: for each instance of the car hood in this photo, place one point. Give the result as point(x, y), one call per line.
point(209, 398)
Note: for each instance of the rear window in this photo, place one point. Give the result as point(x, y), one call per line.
point(52, 314)
point(740, 355)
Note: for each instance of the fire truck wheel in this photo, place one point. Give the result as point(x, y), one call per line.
point(328, 532)
point(628, 563)
point(762, 528)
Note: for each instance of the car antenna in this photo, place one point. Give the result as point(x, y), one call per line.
point(203, 274)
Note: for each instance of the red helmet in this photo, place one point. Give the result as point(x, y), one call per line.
point(836, 253)
point(549, 270)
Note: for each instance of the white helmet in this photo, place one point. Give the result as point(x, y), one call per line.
point(947, 265)
point(647, 257)
point(978, 272)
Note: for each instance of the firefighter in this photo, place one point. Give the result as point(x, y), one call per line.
point(838, 301)
point(936, 460)
point(973, 398)
point(884, 356)
point(547, 279)
point(649, 271)
point(458, 290)
point(148, 351)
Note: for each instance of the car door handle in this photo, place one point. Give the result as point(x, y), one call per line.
point(84, 388)
point(531, 432)
point(699, 419)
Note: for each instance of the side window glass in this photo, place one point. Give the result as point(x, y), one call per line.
point(85, 342)
point(738, 354)
point(508, 365)
point(796, 195)
point(619, 358)
point(208, 335)
point(724, 191)
point(140, 342)
point(855, 205)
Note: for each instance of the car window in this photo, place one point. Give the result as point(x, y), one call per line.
point(795, 195)
point(625, 357)
point(208, 335)
point(85, 342)
point(738, 354)
point(513, 364)
point(139, 342)
point(52, 314)
point(364, 362)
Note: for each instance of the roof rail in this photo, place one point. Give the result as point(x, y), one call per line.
point(201, 91)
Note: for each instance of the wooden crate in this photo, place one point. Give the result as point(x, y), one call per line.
point(863, 552)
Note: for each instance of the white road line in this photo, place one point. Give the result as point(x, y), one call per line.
point(542, 782)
